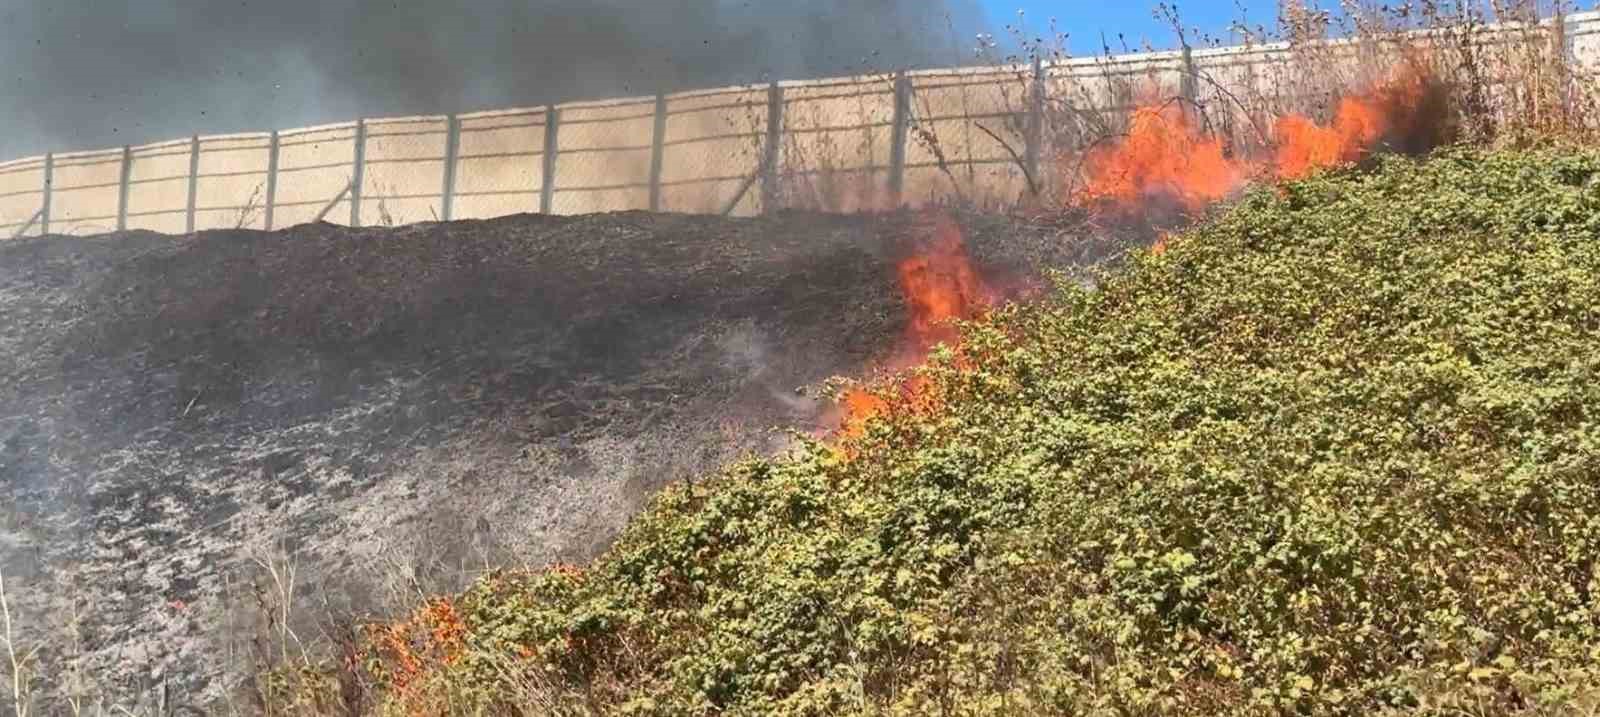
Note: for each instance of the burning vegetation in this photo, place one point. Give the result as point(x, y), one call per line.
point(1163, 159)
point(1164, 156)
point(939, 286)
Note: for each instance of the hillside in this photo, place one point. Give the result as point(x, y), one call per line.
point(388, 410)
point(1332, 452)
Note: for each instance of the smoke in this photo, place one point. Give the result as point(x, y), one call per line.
point(83, 74)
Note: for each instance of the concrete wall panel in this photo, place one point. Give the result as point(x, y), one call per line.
point(500, 164)
point(86, 192)
point(951, 112)
point(594, 201)
point(314, 165)
point(405, 166)
point(604, 161)
point(488, 206)
point(711, 197)
point(1583, 44)
point(21, 195)
point(227, 218)
point(836, 144)
point(400, 211)
point(711, 147)
point(304, 213)
point(231, 190)
point(243, 195)
point(158, 187)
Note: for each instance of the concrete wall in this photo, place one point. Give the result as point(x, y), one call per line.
point(499, 163)
point(966, 126)
point(231, 182)
point(710, 146)
point(404, 170)
point(314, 166)
point(603, 156)
point(964, 133)
point(21, 193)
point(158, 186)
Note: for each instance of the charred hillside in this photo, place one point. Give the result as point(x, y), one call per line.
point(394, 406)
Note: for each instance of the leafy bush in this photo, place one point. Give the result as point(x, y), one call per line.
point(1333, 452)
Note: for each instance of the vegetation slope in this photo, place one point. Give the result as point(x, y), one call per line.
point(1334, 451)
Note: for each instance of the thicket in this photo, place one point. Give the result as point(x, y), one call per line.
point(1332, 451)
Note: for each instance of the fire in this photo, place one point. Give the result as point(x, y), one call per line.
point(1305, 146)
point(939, 284)
point(1359, 124)
point(1164, 155)
point(1160, 247)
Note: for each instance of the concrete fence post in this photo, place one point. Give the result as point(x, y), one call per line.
point(1188, 81)
point(358, 167)
point(272, 178)
point(452, 149)
point(1564, 59)
point(552, 145)
point(122, 188)
point(770, 191)
point(44, 205)
point(657, 150)
point(1035, 138)
point(194, 181)
point(897, 141)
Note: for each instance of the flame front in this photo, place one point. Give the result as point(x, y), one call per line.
point(1164, 155)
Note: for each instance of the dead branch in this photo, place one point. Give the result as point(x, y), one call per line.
point(1033, 187)
point(1225, 92)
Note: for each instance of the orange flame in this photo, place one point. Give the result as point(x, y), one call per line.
point(1304, 146)
point(1165, 155)
point(939, 284)
point(1162, 154)
point(860, 406)
point(1359, 124)
point(1160, 247)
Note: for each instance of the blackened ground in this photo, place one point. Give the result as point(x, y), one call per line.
point(394, 408)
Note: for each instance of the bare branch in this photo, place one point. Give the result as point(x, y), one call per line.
point(1033, 187)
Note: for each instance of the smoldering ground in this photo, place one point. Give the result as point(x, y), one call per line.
point(82, 74)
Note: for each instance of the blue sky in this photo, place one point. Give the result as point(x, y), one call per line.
point(1084, 20)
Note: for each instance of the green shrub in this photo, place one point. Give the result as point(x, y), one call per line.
point(1335, 451)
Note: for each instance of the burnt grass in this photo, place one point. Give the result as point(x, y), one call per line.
point(390, 407)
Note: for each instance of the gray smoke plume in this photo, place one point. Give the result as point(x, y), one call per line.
point(84, 74)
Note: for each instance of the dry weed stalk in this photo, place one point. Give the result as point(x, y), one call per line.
point(252, 206)
point(276, 604)
point(20, 665)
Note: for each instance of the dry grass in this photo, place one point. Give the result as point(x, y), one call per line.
point(20, 663)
